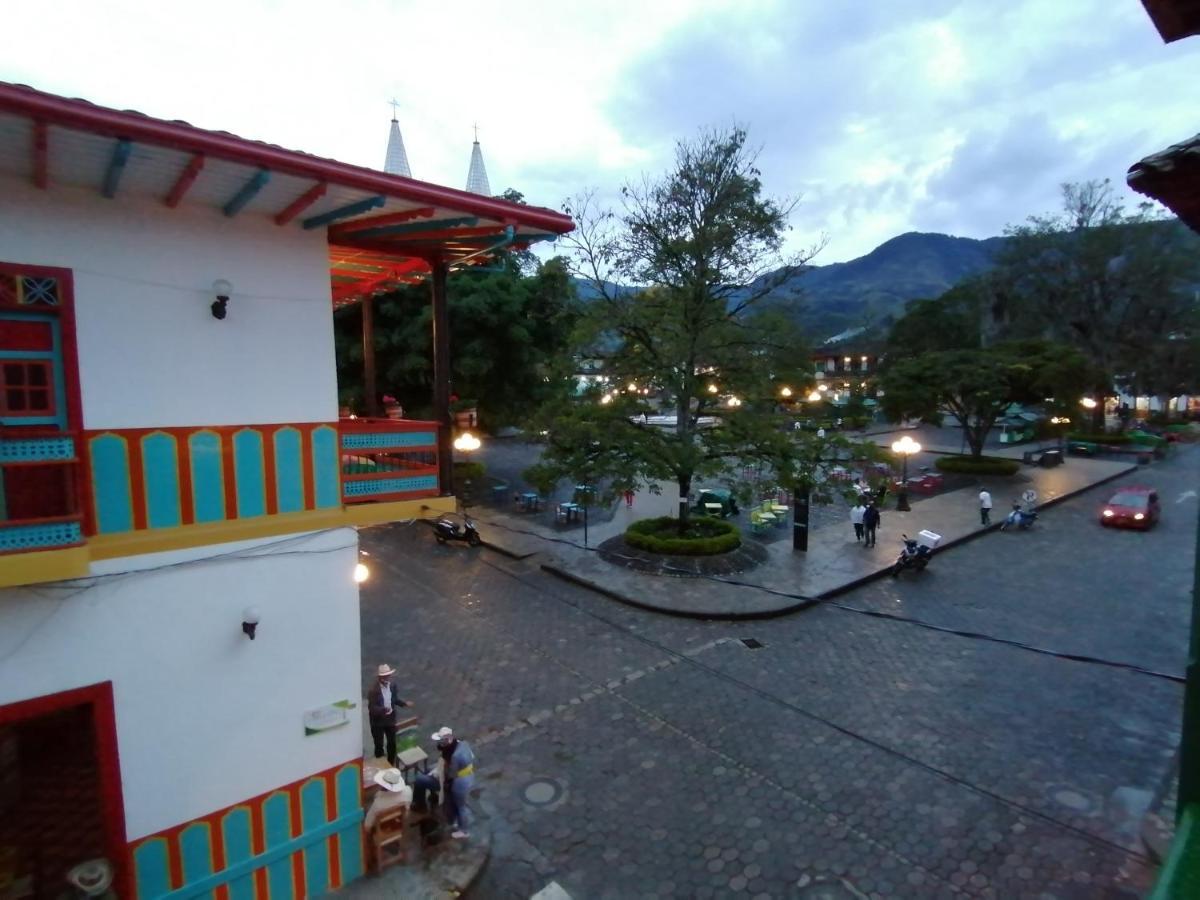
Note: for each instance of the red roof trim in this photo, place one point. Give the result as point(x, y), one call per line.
point(85, 116)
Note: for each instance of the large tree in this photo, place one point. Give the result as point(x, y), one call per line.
point(677, 276)
point(1111, 283)
point(975, 387)
point(509, 328)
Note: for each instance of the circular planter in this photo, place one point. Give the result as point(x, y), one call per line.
point(705, 536)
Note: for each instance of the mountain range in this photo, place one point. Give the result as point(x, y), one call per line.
point(872, 291)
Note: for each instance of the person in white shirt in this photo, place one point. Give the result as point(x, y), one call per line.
point(985, 507)
point(856, 517)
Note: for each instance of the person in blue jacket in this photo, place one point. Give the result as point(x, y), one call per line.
point(457, 769)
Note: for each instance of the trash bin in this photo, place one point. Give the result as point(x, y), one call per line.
point(1027, 457)
point(1051, 458)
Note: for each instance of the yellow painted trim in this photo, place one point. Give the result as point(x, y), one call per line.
point(156, 540)
point(42, 566)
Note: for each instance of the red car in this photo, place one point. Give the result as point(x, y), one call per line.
point(1131, 507)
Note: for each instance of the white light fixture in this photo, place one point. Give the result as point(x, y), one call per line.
point(733, 402)
point(361, 573)
point(785, 391)
point(223, 291)
point(250, 619)
point(814, 397)
point(1087, 403)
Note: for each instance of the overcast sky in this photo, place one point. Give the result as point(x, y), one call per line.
point(885, 116)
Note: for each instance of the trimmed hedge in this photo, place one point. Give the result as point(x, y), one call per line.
point(1098, 438)
point(705, 536)
point(985, 465)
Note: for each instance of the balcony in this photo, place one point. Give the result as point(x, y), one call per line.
point(39, 497)
point(388, 459)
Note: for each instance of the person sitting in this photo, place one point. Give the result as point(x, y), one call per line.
point(394, 795)
point(1014, 517)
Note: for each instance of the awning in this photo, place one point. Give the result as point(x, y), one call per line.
point(1172, 177)
point(383, 229)
point(1174, 19)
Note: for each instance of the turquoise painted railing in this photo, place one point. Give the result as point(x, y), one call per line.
point(39, 501)
point(388, 459)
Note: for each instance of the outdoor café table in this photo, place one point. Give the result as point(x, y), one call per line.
point(713, 508)
point(529, 502)
point(570, 509)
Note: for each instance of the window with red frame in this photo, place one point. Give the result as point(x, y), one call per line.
point(26, 387)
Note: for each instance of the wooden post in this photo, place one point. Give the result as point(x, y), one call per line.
point(371, 397)
point(441, 376)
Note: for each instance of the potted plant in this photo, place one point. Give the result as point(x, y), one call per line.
point(392, 408)
point(465, 413)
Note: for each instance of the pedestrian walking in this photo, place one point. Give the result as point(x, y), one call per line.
point(985, 507)
point(856, 518)
point(870, 523)
point(629, 499)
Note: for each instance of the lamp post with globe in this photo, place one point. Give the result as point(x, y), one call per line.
point(906, 447)
point(466, 444)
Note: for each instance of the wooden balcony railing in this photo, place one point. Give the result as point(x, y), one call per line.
point(388, 459)
point(39, 496)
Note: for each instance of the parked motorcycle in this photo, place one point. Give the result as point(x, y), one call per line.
point(915, 555)
point(1021, 518)
point(449, 530)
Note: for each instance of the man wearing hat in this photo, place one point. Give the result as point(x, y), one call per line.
point(457, 767)
point(383, 702)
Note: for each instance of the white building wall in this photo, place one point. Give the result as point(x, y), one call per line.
point(150, 352)
point(205, 717)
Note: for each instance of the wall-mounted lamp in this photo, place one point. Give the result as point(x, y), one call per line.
point(222, 289)
point(361, 571)
point(249, 621)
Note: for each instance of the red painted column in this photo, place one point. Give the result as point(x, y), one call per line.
point(441, 375)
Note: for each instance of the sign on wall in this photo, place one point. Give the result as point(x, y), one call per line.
point(326, 718)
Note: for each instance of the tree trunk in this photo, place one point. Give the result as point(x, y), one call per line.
point(685, 488)
point(1098, 412)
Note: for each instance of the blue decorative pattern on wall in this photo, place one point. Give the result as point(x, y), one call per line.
point(393, 439)
point(390, 485)
point(39, 537)
point(36, 449)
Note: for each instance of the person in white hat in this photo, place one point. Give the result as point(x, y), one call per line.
point(395, 793)
point(457, 770)
point(383, 703)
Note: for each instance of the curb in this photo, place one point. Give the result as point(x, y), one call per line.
point(504, 551)
point(708, 615)
point(776, 612)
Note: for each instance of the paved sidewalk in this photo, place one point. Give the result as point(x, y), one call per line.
point(834, 562)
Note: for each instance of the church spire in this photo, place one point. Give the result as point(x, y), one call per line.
point(477, 180)
point(396, 161)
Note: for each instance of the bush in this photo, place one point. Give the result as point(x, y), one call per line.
point(704, 536)
point(1102, 438)
point(984, 465)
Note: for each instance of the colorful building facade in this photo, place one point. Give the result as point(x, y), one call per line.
point(179, 628)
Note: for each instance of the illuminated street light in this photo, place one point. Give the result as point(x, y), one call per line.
point(1087, 403)
point(814, 397)
point(822, 387)
point(906, 447)
point(712, 388)
point(467, 442)
point(785, 391)
point(606, 399)
point(733, 402)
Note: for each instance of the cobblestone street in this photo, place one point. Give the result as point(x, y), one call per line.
point(626, 754)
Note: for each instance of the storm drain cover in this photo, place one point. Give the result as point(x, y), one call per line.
point(542, 792)
point(753, 643)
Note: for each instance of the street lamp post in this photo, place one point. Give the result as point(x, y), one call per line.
point(1063, 422)
point(466, 444)
point(906, 447)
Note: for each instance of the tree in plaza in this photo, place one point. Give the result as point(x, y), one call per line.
point(508, 327)
point(701, 246)
point(1107, 282)
point(975, 387)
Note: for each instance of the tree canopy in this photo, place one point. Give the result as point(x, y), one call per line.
point(975, 387)
point(509, 331)
point(701, 246)
point(1112, 284)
